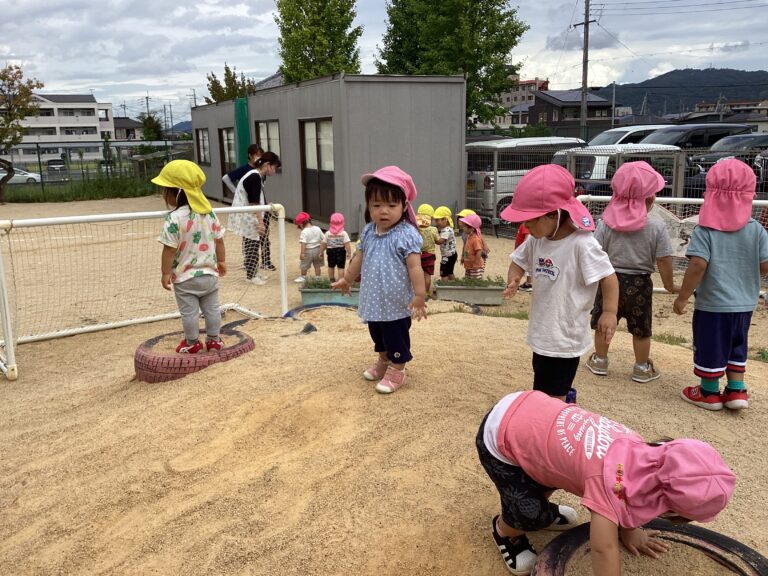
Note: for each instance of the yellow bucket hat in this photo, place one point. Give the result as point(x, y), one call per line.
point(425, 210)
point(189, 177)
point(444, 212)
point(465, 212)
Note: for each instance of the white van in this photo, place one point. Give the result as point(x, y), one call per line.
point(625, 134)
point(495, 167)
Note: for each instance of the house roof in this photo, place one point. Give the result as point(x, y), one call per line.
point(123, 122)
point(270, 82)
point(560, 97)
point(67, 98)
point(520, 107)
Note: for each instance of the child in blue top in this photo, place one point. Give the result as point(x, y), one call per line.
point(727, 255)
point(392, 288)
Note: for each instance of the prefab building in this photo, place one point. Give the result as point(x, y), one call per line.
point(329, 131)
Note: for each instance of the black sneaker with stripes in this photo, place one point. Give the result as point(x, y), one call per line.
point(517, 553)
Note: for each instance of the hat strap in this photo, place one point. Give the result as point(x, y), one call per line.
point(552, 236)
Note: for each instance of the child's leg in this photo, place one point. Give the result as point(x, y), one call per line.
point(735, 395)
point(377, 371)
point(397, 342)
point(642, 348)
point(427, 281)
point(332, 273)
point(250, 257)
point(711, 341)
point(209, 304)
point(189, 308)
point(554, 376)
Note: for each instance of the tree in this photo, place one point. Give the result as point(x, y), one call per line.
point(316, 38)
point(470, 37)
point(151, 127)
point(233, 87)
point(16, 103)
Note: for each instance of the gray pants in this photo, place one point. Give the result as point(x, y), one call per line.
point(199, 294)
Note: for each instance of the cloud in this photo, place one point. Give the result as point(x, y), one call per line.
point(735, 47)
point(569, 40)
point(661, 68)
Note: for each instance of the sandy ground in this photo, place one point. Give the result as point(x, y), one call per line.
point(285, 461)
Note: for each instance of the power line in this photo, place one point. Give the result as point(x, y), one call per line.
point(665, 6)
point(621, 13)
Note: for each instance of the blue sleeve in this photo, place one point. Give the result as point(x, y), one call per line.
point(700, 244)
point(364, 235)
point(410, 242)
point(239, 172)
point(763, 245)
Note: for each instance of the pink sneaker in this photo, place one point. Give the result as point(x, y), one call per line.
point(186, 348)
point(393, 379)
point(212, 344)
point(736, 399)
point(377, 371)
point(693, 395)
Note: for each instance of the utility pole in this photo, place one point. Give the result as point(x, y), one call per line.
point(123, 106)
point(165, 119)
point(584, 68)
point(146, 99)
point(170, 110)
point(194, 98)
point(613, 104)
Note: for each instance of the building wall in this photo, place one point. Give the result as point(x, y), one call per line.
point(211, 118)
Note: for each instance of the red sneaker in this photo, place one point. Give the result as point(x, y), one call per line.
point(212, 344)
point(735, 399)
point(693, 395)
point(185, 348)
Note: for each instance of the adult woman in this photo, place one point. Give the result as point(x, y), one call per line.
point(251, 226)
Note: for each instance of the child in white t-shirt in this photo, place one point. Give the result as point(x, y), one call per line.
point(311, 242)
point(565, 264)
point(337, 246)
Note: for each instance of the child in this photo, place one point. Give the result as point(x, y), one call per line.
point(448, 254)
point(472, 256)
point(566, 264)
point(193, 253)
point(635, 244)
point(531, 444)
point(430, 239)
point(728, 252)
point(311, 243)
point(522, 234)
point(392, 286)
point(337, 246)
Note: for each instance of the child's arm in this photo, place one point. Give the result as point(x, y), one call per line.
point(229, 184)
point(604, 542)
point(302, 247)
point(418, 305)
point(514, 275)
point(439, 239)
point(697, 266)
point(221, 256)
point(348, 249)
point(166, 266)
point(665, 271)
point(763, 268)
point(350, 273)
point(641, 541)
point(606, 325)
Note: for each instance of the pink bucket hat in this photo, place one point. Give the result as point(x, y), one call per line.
point(474, 221)
point(301, 218)
point(337, 223)
point(728, 198)
point(687, 477)
point(632, 184)
point(395, 176)
point(543, 190)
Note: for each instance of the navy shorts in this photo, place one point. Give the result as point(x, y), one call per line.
point(719, 342)
point(394, 338)
point(524, 502)
point(554, 376)
point(447, 265)
point(337, 257)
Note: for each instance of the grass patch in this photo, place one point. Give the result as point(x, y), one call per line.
point(496, 313)
point(90, 189)
point(761, 354)
point(669, 339)
point(321, 283)
point(473, 282)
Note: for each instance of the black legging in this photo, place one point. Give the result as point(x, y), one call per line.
point(266, 260)
point(250, 257)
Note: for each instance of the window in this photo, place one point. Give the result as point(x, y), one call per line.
point(103, 115)
point(45, 112)
point(555, 115)
point(601, 113)
point(571, 113)
point(106, 134)
point(268, 135)
point(40, 131)
point(318, 194)
point(542, 117)
point(227, 147)
point(77, 112)
point(203, 146)
point(79, 130)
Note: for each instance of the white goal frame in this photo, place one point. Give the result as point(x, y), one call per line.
point(8, 364)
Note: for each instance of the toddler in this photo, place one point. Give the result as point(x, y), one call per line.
point(448, 254)
point(727, 254)
point(430, 239)
point(392, 284)
point(337, 246)
point(635, 244)
point(311, 246)
point(193, 253)
point(566, 265)
point(472, 256)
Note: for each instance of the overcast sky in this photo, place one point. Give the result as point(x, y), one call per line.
point(123, 51)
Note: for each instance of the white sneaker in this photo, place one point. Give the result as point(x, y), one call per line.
point(300, 280)
point(258, 280)
point(565, 519)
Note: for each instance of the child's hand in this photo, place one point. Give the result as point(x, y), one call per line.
point(606, 326)
point(166, 281)
point(418, 308)
point(342, 285)
point(674, 289)
point(679, 305)
point(511, 288)
point(222, 268)
point(639, 541)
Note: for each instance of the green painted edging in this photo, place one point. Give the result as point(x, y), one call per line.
point(322, 296)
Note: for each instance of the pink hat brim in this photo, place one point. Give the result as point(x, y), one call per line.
point(576, 210)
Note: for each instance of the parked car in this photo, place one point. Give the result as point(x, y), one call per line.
point(694, 135)
point(56, 165)
point(760, 165)
point(21, 176)
point(495, 167)
point(625, 134)
point(744, 147)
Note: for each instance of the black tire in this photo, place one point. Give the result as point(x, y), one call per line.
point(31, 180)
point(151, 366)
point(553, 559)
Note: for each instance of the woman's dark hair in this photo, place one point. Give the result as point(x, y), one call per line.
point(383, 192)
point(178, 194)
point(254, 149)
point(269, 158)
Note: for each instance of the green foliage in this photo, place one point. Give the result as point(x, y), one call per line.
point(761, 354)
point(321, 283)
point(152, 128)
point(499, 313)
point(91, 189)
point(473, 282)
point(317, 38)
point(669, 339)
point(232, 88)
point(470, 37)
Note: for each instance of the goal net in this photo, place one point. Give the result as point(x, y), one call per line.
point(65, 276)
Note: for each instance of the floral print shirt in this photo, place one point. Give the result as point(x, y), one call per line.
point(194, 237)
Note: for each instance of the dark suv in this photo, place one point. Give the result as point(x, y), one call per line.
point(744, 147)
point(694, 135)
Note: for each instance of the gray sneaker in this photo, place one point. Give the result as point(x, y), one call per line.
point(644, 375)
point(598, 366)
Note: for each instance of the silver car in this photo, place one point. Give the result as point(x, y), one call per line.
point(22, 176)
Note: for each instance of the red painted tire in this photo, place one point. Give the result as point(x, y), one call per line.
point(151, 366)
